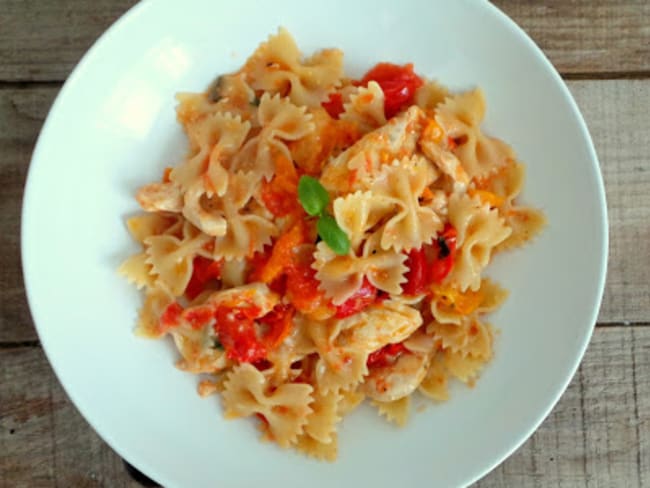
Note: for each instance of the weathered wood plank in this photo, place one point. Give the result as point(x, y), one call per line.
point(21, 115)
point(44, 441)
point(43, 40)
point(582, 36)
point(616, 112)
point(599, 433)
point(617, 115)
point(597, 436)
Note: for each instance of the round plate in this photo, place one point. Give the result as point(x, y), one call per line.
point(113, 128)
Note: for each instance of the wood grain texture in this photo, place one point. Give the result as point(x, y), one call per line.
point(616, 112)
point(583, 36)
point(44, 39)
point(597, 436)
point(44, 441)
point(21, 115)
point(617, 115)
point(599, 433)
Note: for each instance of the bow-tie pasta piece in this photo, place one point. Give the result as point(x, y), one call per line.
point(341, 276)
point(285, 408)
point(317, 450)
point(215, 141)
point(501, 189)
point(366, 107)
point(429, 96)
point(413, 224)
point(470, 338)
point(138, 271)
point(171, 258)
point(239, 224)
point(436, 381)
point(396, 411)
point(480, 230)
point(281, 122)
point(358, 213)
point(321, 423)
point(155, 303)
point(460, 117)
point(277, 66)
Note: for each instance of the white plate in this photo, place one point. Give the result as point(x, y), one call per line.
point(113, 128)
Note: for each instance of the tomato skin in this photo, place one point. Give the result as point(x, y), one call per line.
point(362, 298)
point(423, 271)
point(386, 356)
point(446, 252)
point(334, 105)
point(203, 271)
point(418, 276)
point(398, 83)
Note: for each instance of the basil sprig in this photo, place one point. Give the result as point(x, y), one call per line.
point(314, 199)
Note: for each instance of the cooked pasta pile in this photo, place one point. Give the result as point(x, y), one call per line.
point(324, 241)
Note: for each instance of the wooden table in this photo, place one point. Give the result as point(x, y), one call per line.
point(599, 433)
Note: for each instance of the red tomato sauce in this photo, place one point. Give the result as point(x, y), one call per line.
point(365, 296)
point(170, 317)
point(198, 317)
point(386, 356)
point(236, 330)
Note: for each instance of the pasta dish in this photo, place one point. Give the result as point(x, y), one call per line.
point(325, 241)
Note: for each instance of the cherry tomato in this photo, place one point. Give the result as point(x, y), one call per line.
point(386, 356)
point(203, 271)
point(418, 277)
point(398, 83)
point(446, 255)
point(362, 298)
point(334, 105)
point(430, 264)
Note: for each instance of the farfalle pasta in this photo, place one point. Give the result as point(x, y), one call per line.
point(325, 240)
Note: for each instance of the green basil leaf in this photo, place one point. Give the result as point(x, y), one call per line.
point(312, 195)
point(333, 235)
